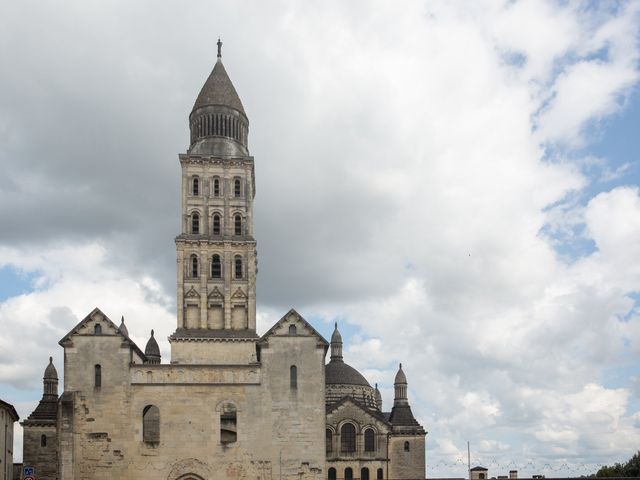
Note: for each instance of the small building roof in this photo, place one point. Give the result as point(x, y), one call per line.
point(10, 408)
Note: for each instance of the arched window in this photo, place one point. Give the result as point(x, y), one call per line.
point(332, 474)
point(238, 265)
point(195, 223)
point(237, 188)
point(407, 446)
point(97, 373)
point(228, 425)
point(380, 475)
point(364, 473)
point(329, 441)
point(195, 186)
point(194, 266)
point(293, 377)
point(43, 440)
point(348, 473)
point(348, 439)
point(292, 330)
point(216, 187)
point(216, 224)
point(238, 223)
point(216, 266)
point(151, 424)
point(97, 329)
point(369, 440)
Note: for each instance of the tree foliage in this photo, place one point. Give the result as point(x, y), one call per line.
point(628, 469)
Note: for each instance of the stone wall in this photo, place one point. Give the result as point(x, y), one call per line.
point(298, 409)
point(362, 419)
point(213, 352)
point(40, 450)
point(407, 464)
point(6, 441)
point(101, 434)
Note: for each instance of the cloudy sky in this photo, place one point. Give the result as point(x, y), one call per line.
point(454, 182)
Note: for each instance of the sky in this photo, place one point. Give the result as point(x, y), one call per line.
point(454, 182)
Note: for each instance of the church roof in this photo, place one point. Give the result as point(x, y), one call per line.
point(45, 412)
point(123, 328)
point(400, 376)
point(402, 416)
point(50, 372)
point(152, 349)
point(206, 333)
point(218, 90)
point(78, 330)
point(293, 316)
point(340, 373)
point(335, 336)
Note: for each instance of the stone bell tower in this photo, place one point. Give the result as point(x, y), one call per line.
point(216, 251)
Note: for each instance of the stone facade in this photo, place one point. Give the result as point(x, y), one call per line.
point(8, 416)
point(230, 404)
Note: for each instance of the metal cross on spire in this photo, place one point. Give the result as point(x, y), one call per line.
point(219, 48)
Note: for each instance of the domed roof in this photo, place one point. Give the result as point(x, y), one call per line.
point(152, 349)
point(218, 90)
point(50, 373)
point(340, 373)
point(400, 376)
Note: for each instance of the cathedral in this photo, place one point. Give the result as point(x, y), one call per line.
point(229, 403)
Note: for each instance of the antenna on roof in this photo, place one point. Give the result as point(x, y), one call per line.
point(219, 48)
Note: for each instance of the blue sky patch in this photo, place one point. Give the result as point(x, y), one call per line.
point(14, 283)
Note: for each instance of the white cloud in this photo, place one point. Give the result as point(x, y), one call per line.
point(69, 283)
point(403, 186)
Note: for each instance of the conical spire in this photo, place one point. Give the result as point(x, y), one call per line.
point(336, 345)
point(50, 373)
point(401, 415)
point(218, 90)
point(50, 380)
point(46, 411)
point(400, 388)
point(218, 123)
point(378, 398)
point(152, 350)
point(123, 328)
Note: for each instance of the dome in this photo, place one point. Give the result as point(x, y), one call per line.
point(340, 373)
point(50, 373)
point(152, 350)
point(400, 376)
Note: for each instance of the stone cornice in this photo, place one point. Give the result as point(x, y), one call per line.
point(188, 239)
point(225, 162)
